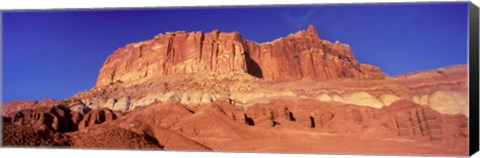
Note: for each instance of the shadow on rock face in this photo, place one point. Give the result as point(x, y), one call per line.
point(252, 66)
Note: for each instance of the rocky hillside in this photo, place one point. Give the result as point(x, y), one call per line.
point(281, 125)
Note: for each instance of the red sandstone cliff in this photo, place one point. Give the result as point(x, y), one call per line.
point(299, 55)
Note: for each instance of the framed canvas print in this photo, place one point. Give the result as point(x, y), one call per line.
point(360, 79)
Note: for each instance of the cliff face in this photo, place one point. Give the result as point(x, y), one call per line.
point(174, 53)
point(305, 55)
point(299, 55)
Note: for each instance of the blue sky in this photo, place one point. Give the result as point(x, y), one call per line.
point(55, 54)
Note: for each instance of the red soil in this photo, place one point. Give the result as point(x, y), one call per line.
point(279, 126)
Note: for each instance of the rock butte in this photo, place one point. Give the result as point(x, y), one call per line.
point(299, 55)
point(299, 93)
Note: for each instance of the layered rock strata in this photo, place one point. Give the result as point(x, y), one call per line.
point(299, 55)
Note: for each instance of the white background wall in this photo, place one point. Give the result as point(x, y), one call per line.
point(68, 153)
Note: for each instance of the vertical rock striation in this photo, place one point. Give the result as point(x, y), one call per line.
point(296, 56)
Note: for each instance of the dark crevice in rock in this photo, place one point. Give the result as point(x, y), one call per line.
point(249, 121)
point(312, 122)
point(275, 123)
point(290, 115)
